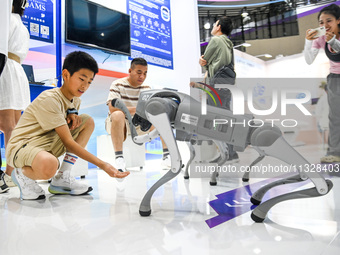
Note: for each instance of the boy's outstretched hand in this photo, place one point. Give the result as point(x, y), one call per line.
point(113, 172)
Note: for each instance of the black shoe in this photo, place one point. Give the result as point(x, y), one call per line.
point(3, 185)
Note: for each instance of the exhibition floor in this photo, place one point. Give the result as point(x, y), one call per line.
point(182, 221)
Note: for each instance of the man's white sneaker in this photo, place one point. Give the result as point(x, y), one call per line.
point(8, 180)
point(166, 163)
point(330, 159)
point(29, 189)
point(120, 164)
point(65, 184)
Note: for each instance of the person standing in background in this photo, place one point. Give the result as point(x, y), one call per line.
point(329, 18)
point(322, 112)
point(14, 86)
point(219, 53)
point(5, 14)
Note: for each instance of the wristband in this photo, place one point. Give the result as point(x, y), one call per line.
point(72, 111)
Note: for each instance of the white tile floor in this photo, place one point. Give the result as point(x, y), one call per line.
point(107, 221)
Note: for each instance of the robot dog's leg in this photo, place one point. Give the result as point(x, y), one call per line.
point(245, 177)
point(192, 156)
point(260, 212)
point(145, 206)
point(280, 149)
point(272, 144)
point(222, 147)
point(159, 118)
point(257, 196)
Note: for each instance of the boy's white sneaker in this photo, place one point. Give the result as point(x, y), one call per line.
point(8, 180)
point(29, 189)
point(65, 184)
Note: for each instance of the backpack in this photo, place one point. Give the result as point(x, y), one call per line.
point(225, 75)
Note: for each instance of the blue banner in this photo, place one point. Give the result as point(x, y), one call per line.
point(38, 18)
point(151, 36)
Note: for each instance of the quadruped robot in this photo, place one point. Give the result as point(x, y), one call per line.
point(167, 110)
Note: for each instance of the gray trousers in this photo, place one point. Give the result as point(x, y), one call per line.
point(333, 86)
point(225, 96)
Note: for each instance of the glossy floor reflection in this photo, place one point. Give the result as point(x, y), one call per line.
point(107, 221)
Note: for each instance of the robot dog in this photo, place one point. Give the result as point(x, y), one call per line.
point(166, 109)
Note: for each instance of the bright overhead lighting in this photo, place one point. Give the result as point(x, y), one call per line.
point(246, 44)
point(207, 25)
point(244, 14)
point(264, 55)
point(243, 45)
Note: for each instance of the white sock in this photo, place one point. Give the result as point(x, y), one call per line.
point(68, 162)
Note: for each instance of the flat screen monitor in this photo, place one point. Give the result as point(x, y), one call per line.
point(29, 72)
point(92, 25)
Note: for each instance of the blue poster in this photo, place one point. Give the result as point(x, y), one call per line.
point(38, 18)
point(151, 36)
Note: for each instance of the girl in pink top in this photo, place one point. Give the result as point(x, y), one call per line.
point(329, 18)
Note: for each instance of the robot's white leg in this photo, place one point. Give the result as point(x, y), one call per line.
point(220, 161)
point(280, 149)
point(257, 196)
point(260, 212)
point(192, 156)
point(246, 174)
point(162, 124)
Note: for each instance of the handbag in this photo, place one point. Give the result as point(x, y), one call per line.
point(225, 75)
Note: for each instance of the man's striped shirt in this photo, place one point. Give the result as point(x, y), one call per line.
point(121, 88)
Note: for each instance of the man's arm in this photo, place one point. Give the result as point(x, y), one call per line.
point(73, 147)
point(210, 52)
point(115, 93)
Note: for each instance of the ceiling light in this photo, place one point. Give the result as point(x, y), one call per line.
point(207, 25)
point(264, 55)
point(244, 12)
point(243, 45)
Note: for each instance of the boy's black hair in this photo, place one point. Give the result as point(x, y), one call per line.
point(138, 61)
point(77, 60)
point(17, 4)
point(333, 10)
point(226, 25)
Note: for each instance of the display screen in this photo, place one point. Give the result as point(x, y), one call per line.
point(92, 25)
point(151, 33)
